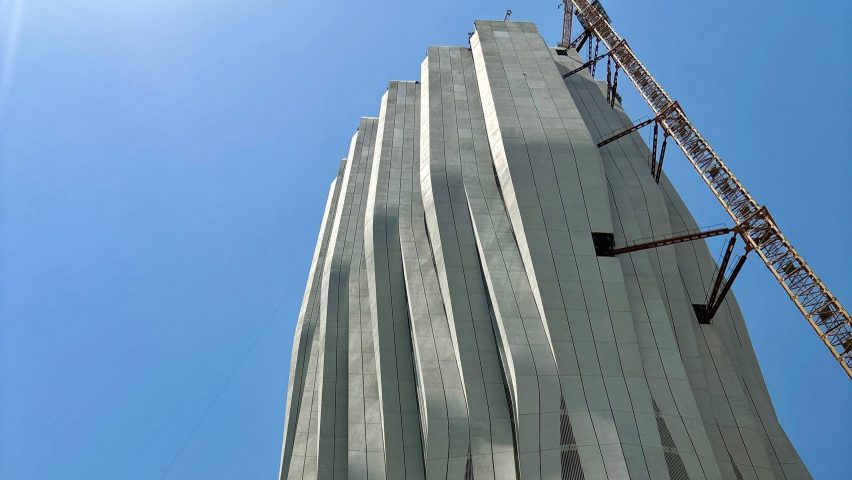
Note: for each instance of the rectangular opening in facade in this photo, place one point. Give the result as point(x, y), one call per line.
point(701, 313)
point(604, 243)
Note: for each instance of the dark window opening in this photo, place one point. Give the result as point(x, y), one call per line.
point(604, 243)
point(562, 51)
point(701, 313)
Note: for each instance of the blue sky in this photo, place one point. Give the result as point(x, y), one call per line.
point(164, 166)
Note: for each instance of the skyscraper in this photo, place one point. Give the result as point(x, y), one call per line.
point(461, 321)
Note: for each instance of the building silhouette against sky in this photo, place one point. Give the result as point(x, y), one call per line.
point(460, 320)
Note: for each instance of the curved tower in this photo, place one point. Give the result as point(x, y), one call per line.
point(462, 320)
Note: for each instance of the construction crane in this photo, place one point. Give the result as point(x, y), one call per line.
point(829, 319)
point(567, 18)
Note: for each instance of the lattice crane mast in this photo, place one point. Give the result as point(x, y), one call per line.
point(829, 319)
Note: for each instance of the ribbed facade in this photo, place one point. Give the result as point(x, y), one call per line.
point(458, 324)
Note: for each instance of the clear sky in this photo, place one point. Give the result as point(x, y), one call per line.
point(164, 165)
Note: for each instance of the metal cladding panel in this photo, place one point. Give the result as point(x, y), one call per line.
point(458, 322)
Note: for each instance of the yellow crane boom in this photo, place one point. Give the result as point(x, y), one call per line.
point(823, 311)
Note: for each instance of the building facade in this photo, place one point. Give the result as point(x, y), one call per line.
point(459, 323)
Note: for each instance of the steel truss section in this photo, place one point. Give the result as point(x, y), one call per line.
point(588, 64)
point(721, 286)
point(567, 18)
point(657, 164)
point(829, 319)
point(580, 40)
point(627, 131)
point(669, 240)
